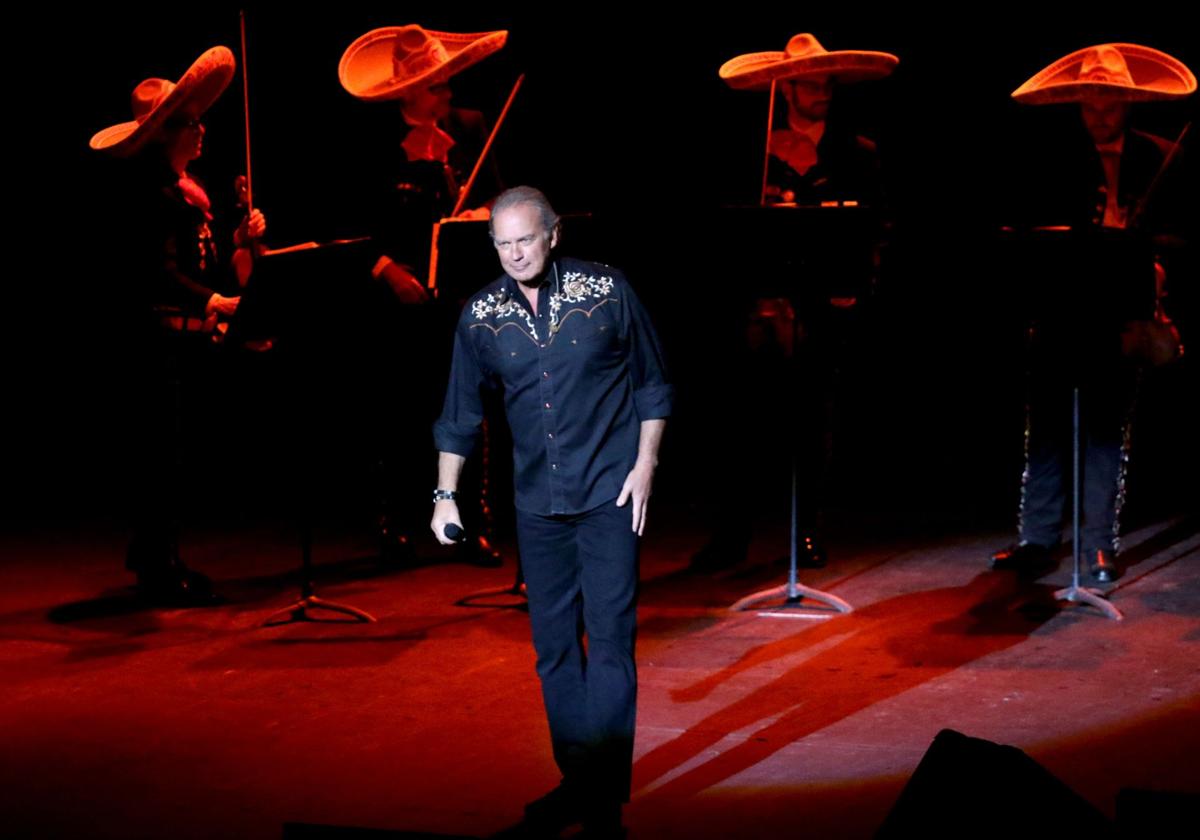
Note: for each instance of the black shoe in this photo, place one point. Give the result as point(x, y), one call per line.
point(617, 832)
point(548, 815)
point(603, 822)
point(810, 552)
point(1026, 559)
point(175, 585)
point(1102, 566)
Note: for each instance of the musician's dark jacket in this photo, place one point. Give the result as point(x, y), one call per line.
point(1075, 190)
point(415, 194)
point(847, 168)
point(1072, 192)
point(177, 256)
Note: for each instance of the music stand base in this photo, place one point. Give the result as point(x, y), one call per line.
point(299, 611)
point(793, 591)
point(794, 596)
point(1091, 597)
point(515, 594)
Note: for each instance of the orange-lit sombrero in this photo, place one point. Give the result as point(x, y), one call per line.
point(386, 63)
point(805, 56)
point(154, 101)
point(1115, 72)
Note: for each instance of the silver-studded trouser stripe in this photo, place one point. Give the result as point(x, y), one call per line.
point(1123, 470)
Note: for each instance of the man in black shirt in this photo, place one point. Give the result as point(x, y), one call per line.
point(573, 353)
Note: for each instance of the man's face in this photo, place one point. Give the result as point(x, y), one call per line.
point(809, 96)
point(522, 242)
point(183, 138)
point(1105, 121)
point(429, 104)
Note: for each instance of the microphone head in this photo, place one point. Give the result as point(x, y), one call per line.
point(453, 532)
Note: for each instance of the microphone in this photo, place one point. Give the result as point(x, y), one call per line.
point(453, 532)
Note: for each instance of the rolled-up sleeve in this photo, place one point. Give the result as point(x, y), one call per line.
point(653, 394)
point(457, 429)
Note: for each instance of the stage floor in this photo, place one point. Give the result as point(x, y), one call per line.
point(120, 721)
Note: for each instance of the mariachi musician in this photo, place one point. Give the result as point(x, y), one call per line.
point(187, 280)
point(1115, 180)
point(802, 319)
point(427, 168)
point(437, 145)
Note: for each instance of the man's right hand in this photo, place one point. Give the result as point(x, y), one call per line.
point(222, 305)
point(403, 283)
point(445, 513)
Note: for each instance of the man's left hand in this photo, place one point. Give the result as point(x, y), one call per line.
point(637, 485)
point(252, 227)
point(474, 214)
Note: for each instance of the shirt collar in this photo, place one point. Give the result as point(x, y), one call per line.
point(1114, 148)
point(813, 129)
point(513, 287)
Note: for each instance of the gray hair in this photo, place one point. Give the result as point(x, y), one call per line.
point(525, 195)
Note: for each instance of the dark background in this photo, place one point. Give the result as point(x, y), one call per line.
point(621, 116)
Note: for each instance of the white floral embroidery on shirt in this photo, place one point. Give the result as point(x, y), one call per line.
point(500, 306)
point(578, 287)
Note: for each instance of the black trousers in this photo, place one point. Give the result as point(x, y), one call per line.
point(1105, 400)
point(581, 577)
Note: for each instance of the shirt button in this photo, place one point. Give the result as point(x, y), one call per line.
point(547, 405)
point(554, 466)
point(545, 374)
point(550, 435)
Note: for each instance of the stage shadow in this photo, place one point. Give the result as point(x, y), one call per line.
point(888, 648)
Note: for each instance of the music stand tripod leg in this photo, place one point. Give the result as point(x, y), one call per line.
point(1076, 593)
point(793, 591)
point(299, 611)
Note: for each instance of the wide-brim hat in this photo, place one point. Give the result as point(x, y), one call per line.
point(1112, 72)
point(386, 63)
point(805, 56)
point(154, 101)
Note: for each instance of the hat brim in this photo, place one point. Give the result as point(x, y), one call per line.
point(365, 70)
point(756, 71)
point(194, 93)
point(1156, 76)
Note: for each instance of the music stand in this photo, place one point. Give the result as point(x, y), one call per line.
point(808, 241)
point(793, 591)
point(299, 611)
point(304, 266)
point(486, 597)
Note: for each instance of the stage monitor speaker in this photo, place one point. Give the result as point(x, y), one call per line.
point(969, 787)
point(1156, 813)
